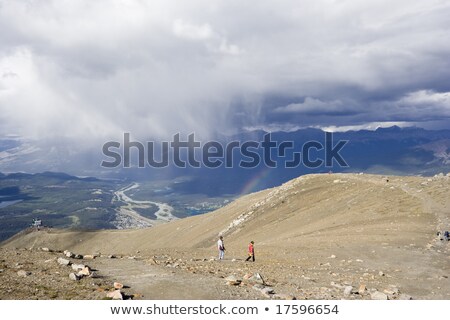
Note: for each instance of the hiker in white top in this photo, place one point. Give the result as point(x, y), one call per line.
point(221, 248)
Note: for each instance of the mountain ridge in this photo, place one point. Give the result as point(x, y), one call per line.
point(303, 196)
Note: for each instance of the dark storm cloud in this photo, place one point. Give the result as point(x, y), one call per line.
point(414, 107)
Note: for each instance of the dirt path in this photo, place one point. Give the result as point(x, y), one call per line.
point(440, 210)
point(154, 282)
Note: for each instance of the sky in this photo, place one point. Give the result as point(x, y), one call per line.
point(85, 71)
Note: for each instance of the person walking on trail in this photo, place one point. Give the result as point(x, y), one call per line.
point(221, 248)
point(251, 251)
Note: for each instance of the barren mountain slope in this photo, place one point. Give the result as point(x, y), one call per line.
point(322, 210)
point(314, 236)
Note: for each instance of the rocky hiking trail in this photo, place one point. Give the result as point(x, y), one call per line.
point(154, 282)
point(162, 276)
point(427, 198)
point(187, 274)
point(173, 275)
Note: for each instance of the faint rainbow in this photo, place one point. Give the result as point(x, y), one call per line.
point(253, 183)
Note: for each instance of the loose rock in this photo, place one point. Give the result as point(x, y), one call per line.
point(63, 261)
point(115, 295)
point(74, 277)
point(85, 272)
point(118, 285)
point(391, 292)
point(377, 295)
point(69, 254)
point(76, 267)
point(23, 273)
point(267, 291)
point(362, 289)
point(254, 278)
point(233, 281)
point(348, 290)
point(283, 296)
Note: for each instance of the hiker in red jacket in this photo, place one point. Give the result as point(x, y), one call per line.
point(251, 251)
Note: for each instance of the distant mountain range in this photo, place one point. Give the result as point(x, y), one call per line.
point(393, 150)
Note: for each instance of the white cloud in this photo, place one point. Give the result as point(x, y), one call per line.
point(366, 126)
point(214, 41)
point(312, 105)
point(426, 98)
point(274, 127)
point(192, 32)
